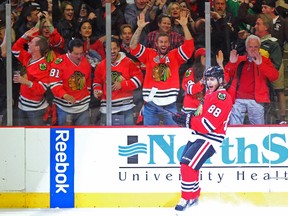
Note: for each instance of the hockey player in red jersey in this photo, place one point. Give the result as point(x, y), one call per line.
point(32, 102)
point(208, 128)
point(70, 81)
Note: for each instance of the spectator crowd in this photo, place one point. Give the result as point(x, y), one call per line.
point(158, 58)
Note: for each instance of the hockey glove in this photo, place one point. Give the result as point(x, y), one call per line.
point(182, 119)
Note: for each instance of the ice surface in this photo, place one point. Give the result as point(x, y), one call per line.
point(203, 209)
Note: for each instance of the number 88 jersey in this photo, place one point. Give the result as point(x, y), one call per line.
point(212, 123)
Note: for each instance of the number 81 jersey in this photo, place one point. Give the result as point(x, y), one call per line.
point(212, 123)
point(66, 77)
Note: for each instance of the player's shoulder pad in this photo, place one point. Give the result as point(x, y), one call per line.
point(43, 66)
point(58, 60)
point(222, 96)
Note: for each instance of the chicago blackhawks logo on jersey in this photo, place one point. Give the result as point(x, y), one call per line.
point(43, 66)
point(161, 72)
point(77, 81)
point(221, 96)
point(188, 73)
point(58, 60)
point(116, 76)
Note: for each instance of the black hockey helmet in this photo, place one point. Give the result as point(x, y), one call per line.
point(215, 71)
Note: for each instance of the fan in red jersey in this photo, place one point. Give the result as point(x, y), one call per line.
point(161, 81)
point(34, 83)
point(126, 77)
point(70, 81)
